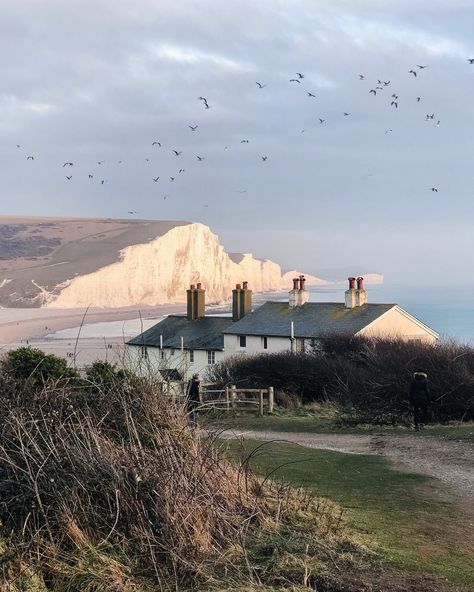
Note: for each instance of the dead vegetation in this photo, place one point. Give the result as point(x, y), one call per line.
point(108, 489)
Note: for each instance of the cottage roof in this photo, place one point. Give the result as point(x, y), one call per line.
point(313, 319)
point(205, 333)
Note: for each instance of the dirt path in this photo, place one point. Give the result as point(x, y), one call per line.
point(451, 461)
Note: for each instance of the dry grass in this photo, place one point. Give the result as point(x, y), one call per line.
point(109, 489)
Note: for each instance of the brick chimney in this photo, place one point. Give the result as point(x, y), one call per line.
point(196, 302)
point(299, 295)
point(241, 301)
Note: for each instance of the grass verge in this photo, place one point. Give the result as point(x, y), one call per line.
point(324, 419)
point(397, 513)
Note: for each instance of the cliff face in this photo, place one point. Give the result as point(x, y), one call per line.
point(159, 271)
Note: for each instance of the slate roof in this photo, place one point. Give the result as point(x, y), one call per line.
point(313, 319)
point(205, 333)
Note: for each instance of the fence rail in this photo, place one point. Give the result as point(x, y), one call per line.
point(231, 398)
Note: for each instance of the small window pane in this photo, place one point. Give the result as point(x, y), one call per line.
point(243, 341)
point(191, 355)
point(265, 343)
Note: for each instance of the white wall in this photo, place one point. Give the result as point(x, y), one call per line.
point(176, 359)
point(396, 324)
point(255, 345)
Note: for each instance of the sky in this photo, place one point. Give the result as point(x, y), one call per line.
point(89, 81)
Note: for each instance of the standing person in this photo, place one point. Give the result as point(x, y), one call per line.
point(420, 398)
point(193, 399)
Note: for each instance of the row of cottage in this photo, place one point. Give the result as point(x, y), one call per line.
point(181, 345)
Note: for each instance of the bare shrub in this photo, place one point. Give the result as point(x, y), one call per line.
point(368, 378)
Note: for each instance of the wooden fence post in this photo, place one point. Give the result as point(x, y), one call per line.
point(233, 396)
point(271, 399)
point(260, 403)
point(227, 402)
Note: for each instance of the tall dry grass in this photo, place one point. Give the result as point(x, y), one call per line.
point(108, 489)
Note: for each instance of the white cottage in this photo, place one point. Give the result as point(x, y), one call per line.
point(180, 345)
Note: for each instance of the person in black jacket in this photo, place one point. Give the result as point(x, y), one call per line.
point(193, 399)
point(420, 398)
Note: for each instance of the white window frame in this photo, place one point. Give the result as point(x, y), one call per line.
point(211, 356)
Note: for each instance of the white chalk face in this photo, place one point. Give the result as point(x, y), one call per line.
point(359, 157)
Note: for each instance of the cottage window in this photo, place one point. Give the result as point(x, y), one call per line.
point(191, 356)
point(211, 356)
point(265, 342)
point(243, 340)
point(162, 354)
point(144, 352)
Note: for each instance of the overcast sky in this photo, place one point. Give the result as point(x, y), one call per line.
point(84, 81)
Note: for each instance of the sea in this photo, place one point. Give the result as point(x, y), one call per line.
point(449, 310)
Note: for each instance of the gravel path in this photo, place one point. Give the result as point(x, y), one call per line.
point(451, 461)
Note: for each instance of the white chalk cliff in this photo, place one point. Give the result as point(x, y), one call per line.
point(159, 271)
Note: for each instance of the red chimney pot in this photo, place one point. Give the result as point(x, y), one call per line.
point(302, 282)
point(245, 285)
point(360, 283)
point(296, 281)
point(238, 286)
point(351, 283)
point(192, 287)
point(199, 285)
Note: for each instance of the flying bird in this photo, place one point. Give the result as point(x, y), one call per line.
point(132, 212)
point(177, 153)
point(373, 91)
point(418, 99)
point(18, 146)
point(412, 72)
point(91, 176)
point(100, 161)
point(321, 120)
point(181, 171)
point(428, 117)
point(204, 100)
point(264, 158)
point(102, 182)
point(260, 85)
point(361, 77)
point(69, 178)
point(421, 67)
point(346, 114)
point(386, 82)
point(434, 189)
point(200, 158)
point(295, 80)
point(155, 180)
point(244, 141)
point(156, 144)
point(470, 60)
point(147, 159)
point(30, 158)
point(395, 96)
point(389, 131)
point(394, 104)
point(311, 95)
point(193, 128)
point(172, 178)
point(68, 164)
point(299, 75)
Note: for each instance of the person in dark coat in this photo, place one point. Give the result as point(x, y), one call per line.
point(420, 398)
point(193, 399)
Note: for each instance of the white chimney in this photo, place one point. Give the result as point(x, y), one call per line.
point(356, 296)
point(299, 295)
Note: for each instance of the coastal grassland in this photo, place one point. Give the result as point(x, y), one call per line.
point(395, 513)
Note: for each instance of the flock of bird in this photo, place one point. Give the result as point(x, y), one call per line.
point(377, 90)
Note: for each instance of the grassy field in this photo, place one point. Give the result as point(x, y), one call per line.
point(324, 419)
point(398, 514)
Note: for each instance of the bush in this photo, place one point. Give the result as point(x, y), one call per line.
point(36, 367)
point(368, 378)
